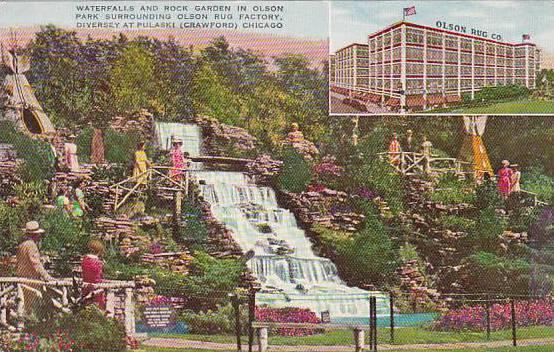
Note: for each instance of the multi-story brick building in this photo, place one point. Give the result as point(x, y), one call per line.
point(412, 66)
point(352, 67)
point(415, 66)
point(332, 69)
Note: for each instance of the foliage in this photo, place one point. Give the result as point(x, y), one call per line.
point(58, 342)
point(450, 190)
point(473, 318)
point(93, 331)
point(220, 320)
point(487, 196)
point(512, 91)
point(288, 315)
point(373, 242)
point(377, 175)
point(489, 226)
point(194, 232)
point(296, 172)
point(535, 180)
point(31, 196)
point(487, 272)
point(11, 220)
point(111, 173)
point(327, 172)
point(64, 237)
point(38, 157)
point(120, 146)
point(457, 223)
point(210, 280)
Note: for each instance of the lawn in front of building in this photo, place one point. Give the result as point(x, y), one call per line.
point(529, 106)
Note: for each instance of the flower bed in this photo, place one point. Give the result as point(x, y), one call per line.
point(289, 315)
point(528, 313)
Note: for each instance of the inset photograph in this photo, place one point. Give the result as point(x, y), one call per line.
point(470, 57)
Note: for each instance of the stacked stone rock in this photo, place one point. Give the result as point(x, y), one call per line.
point(413, 283)
point(264, 168)
point(121, 231)
point(141, 121)
point(175, 261)
point(311, 208)
point(216, 135)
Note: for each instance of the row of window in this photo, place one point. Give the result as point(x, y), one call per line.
point(449, 70)
point(417, 86)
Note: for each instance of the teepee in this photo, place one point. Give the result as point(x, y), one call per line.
point(473, 150)
point(18, 103)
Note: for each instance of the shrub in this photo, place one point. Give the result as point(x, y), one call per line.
point(450, 190)
point(38, 156)
point(288, 315)
point(64, 236)
point(487, 196)
point(487, 272)
point(536, 181)
point(296, 173)
point(58, 342)
point(487, 231)
point(11, 220)
point(194, 232)
point(93, 331)
point(512, 91)
point(473, 318)
point(372, 242)
point(218, 321)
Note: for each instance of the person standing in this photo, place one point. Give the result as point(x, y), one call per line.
point(409, 142)
point(426, 147)
point(92, 269)
point(505, 179)
point(516, 178)
point(178, 161)
point(70, 151)
point(394, 150)
point(141, 164)
point(29, 264)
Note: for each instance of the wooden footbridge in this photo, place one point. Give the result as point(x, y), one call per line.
point(411, 163)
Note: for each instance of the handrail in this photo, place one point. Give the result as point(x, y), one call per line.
point(106, 284)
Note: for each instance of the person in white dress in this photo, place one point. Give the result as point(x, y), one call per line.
point(516, 178)
point(70, 151)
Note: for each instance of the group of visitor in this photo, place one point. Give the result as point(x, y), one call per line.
point(72, 199)
point(408, 145)
point(509, 178)
point(30, 266)
point(179, 162)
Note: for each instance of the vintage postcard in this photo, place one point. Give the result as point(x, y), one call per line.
point(276, 176)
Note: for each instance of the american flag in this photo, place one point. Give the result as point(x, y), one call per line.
point(526, 37)
point(408, 11)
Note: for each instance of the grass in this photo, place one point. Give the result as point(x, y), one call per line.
point(402, 336)
point(504, 349)
point(509, 107)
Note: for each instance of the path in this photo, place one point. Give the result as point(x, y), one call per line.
point(189, 344)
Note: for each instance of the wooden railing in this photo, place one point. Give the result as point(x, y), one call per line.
point(412, 162)
point(61, 293)
point(155, 177)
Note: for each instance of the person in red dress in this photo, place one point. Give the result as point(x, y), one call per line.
point(92, 272)
point(394, 150)
point(505, 179)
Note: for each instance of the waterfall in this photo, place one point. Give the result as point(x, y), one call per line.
point(289, 271)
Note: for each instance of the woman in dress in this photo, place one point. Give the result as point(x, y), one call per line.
point(178, 161)
point(79, 204)
point(141, 164)
point(505, 179)
point(92, 273)
point(70, 151)
point(516, 179)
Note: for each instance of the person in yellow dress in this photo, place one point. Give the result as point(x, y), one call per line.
point(141, 164)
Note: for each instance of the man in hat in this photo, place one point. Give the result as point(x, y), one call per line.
point(29, 264)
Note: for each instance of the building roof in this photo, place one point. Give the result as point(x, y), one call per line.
point(350, 45)
point(410, 24)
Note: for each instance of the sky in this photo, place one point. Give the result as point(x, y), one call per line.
point(352, 21)
point(306, 19)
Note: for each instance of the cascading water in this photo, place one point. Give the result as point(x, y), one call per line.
point(284, 262)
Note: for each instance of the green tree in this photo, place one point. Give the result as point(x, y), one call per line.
point(133, 80)
point(296, 173)
point(212, 96)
